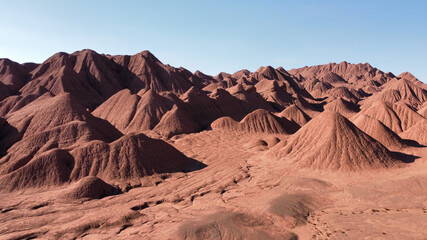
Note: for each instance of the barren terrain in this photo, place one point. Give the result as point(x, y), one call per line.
point(123, 147)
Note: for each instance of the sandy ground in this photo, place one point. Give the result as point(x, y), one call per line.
point(241, 194)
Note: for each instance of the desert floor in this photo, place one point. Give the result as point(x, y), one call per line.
point(241, 194)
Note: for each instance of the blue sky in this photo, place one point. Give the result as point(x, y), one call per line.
point(215, 36)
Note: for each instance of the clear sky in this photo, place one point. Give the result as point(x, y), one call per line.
point(214, 36)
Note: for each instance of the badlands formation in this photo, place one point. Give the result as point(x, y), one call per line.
point(95, 146)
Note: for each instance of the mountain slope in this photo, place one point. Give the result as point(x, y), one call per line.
point(258, 121)
point(336, 146)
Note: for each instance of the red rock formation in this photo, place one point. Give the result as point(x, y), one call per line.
point(331, 142)
point(258, 121)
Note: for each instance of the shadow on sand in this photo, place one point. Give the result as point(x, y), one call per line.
point(406, 158)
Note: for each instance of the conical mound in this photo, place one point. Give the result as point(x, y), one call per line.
point(213, 86)
point(250, 99)
point(274, 92)
point(147, 72)
point(331, 142)
point(317, 88)
point(48, 113)
point(12, 76)
point(133, 113)
point(86, 75)
point(150, 109)
point(330, 77)
point(398, 117)
point(48, 169)
point(417, 133)
point(345, 93)
point(410, 77)
point(119, 109)
point(222, 76)
point(121, 162)
point(409, 91)
point(269, 73)
point(400, 90)
point(295, 114)
point(128, 159)
point(54, 122)
point(228, 104)
point(260, 121)
point(343, 107)
point(52, 113)
point(177, 121)
point(379, 131)
point(89, 188)
point(201, 107)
